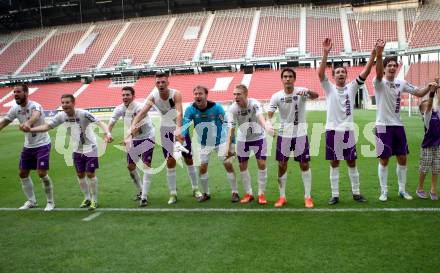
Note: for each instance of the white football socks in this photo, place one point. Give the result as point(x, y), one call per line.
point(146, 182)
point(171, 177)
point(401, 176)
point(204, 182)
point(246, 179)
point(48, 188)
point(136, 179)
point(383, 177)
point(282, 184)
point(192, 174)
point(307, 181)
point(262, 181)
point(353, 173)
point(28, 188)
point(84, 187)
point(334, 181)
point(232, 181)
point(94, 188)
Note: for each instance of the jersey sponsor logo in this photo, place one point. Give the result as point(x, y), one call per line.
point(397, 109)
point(347, 106)
point(288, 100)
point(296, 117)
point(244, 112)
point(90, 117)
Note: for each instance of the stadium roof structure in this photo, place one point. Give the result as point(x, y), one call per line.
point(22, 14)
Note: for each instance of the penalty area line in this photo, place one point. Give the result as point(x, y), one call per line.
point(91, 216)
point(237, 210)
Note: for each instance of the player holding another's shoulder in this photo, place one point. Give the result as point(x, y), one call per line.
point(292, 134)
point(85, 150)
point(168, 102)
point(340, 134)
point(36, 150)
point(391, 137)
point(247, 114)
point(209, 123)
point(141, 145)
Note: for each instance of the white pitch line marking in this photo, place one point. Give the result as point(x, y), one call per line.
point(91, 216)
point(238, 210)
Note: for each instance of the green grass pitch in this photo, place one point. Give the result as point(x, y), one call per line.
point(215, 241)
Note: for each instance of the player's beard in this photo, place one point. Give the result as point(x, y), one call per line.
point(19, 101)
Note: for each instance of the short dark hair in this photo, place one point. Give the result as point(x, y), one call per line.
point(338, 66)
point(242, 87)
point(68, 96)
point(202, 88)
point(389, 59)
point(23, 86)
point(128, 88)
point(288, 69)
point(161, 75)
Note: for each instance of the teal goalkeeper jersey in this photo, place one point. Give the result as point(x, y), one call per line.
point(210, 123)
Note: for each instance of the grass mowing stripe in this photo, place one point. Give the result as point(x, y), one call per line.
point(323, 210)
point(91, 217)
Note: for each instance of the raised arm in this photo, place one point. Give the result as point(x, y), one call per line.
point(187, 119)
point(108, 136)
point(4, 123)
point(261, 120)
point(113, 120)
point(136, 122)
point(229, 138)
point(309, 93)
point(432, 91)
point(179, 113)
point(269, 125)
point(327, 46)
point(380, 45)
point(38, 129)
point(110, 125)
point(437, 80)
point(31, 121)
point(364, 74)
point(231, 132)
point(423, 91)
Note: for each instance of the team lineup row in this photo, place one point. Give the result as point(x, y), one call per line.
point(245, 115)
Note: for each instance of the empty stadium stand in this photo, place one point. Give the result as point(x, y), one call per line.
point(371, 26)
point(55, 50)
point(316, 33)
point(182, 41)
point(20, 50)
point(138, 42)
point(229, 34)
point(101, 38)
point(426, 31)
point(278, 30)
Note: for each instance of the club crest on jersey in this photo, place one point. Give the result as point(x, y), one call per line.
point(295, 98)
